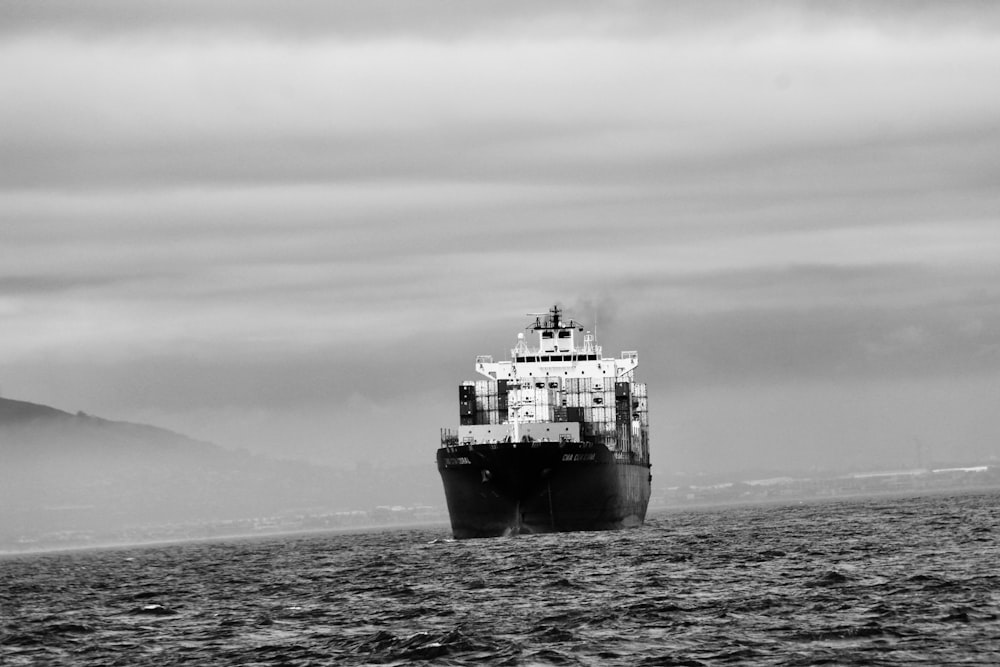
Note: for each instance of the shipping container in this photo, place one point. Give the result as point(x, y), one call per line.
point(466, 404)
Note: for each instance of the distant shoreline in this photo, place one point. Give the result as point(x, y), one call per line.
point(99, 546)
point(808, 500)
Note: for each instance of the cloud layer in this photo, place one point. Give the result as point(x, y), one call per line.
point(278, 229)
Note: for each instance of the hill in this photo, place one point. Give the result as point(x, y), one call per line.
point(80, 473)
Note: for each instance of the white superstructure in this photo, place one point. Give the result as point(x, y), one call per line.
point(557, 357)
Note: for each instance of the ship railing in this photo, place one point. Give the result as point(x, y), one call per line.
point(484, 359)
point(449, 437)
point(630, 354)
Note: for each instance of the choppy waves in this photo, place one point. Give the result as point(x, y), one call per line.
point(886, 581)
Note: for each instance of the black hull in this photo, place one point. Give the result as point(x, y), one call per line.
point(541, 487)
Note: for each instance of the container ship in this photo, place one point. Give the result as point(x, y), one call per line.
point(554, 439)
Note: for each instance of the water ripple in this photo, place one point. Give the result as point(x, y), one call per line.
point(884, 581)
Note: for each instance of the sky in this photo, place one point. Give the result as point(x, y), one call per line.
point(290, 227)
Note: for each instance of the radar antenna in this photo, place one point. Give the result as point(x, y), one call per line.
point(553, 320)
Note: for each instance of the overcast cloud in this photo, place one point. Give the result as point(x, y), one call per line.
point(291, 226)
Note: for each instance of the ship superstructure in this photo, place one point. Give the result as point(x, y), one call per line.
point(554, 438)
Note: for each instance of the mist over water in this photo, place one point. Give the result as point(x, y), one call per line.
point(886, 581)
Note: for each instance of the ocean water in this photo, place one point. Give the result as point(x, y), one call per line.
point(886, 581)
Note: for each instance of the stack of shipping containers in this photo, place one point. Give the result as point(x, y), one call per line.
point(487, 402)
point(591, 401)
point(610, 413)
point(467, 403)
point(483, 402)
point(640, 420)
point(536, 400)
